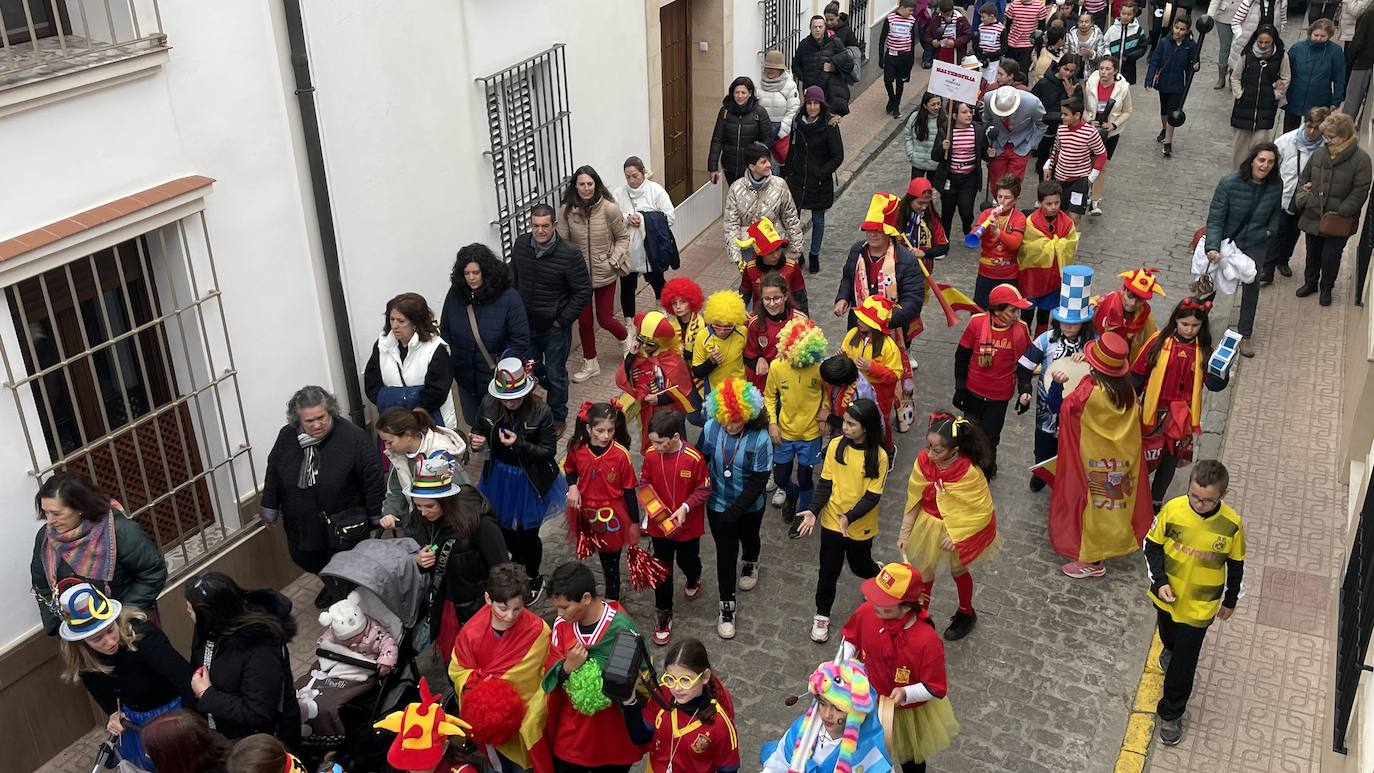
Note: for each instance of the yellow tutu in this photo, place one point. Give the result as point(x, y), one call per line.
point(923, 549)
point(917, 734)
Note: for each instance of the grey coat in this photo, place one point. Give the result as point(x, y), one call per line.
point(1340, 186)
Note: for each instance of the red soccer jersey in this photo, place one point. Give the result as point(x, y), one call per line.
point(897, 653)
point(1178, 378)
point(602, 738)
point(684, 744)
point(992, 370)
point(677, 478)
point(762, 341)
point(753, 275)
point(998, 258)
point(602, 481)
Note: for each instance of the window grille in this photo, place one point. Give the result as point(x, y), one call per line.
point(1355, 622)
point(783, 26)
point(858, 21)
point(40, 38)
point(529, 123)
point(123, 373)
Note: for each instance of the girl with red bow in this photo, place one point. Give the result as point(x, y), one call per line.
point(603, 511)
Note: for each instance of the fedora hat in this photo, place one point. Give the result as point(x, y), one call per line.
point(1005, 101)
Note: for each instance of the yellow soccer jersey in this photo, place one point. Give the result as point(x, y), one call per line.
point(793, 397)
point(1195, 553)
point(847, 487)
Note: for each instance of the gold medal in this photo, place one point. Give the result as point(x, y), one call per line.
point(903, 675)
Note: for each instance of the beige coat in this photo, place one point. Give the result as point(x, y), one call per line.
point(1121, 109)
point(604, 241)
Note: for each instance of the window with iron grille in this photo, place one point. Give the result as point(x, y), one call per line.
point(122, 372)
point(783, 26)
point(530, 127)
point(858, 21)
point(1355, 622)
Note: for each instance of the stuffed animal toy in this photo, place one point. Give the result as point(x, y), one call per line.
point(351, 631)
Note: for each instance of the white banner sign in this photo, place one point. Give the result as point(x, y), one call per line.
point(954, 82)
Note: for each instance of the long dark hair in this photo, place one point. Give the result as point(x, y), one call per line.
point(822, 118)
point(599, 412)
point(222, 608)
point(923, 117)
point(571, 199)
point(1194, 308)
point(865, 411)
point(1085, 334)
point(1246, 169)
point(460, 511)
point(759, 324)
point(181, 741)
point(495, 273)
point(964, 436)
point(691, 655)
point(1119, 388)
point(75, 492)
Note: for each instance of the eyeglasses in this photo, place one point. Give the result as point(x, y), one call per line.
point(679, 682)
point(1204, 501)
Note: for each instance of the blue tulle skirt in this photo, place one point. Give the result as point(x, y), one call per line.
point(515, 500)
point(130, 744)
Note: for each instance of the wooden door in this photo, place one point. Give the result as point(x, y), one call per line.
point(677, 99)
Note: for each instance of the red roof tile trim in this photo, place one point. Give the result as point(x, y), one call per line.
point(81, 221)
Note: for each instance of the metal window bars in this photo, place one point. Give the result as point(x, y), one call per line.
point(858, 21)
point(39, 38)
point(124, 374)
point(529, 121)
point(783, 26)
point(1355, 622)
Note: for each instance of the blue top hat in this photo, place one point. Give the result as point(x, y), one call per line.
point(85, 611)
point(1076, 285)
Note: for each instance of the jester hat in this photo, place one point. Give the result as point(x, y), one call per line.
point(653, 327)
point(725, 307)
point(763, 237)
point(845, 686)
point(882, 214)
point(801, 343)
point(734, 400)
point(1142, 283)
point(422, 730)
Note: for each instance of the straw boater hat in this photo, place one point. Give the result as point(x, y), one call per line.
point(895, 584)
point(1108, 354)
point(971, 61)
point(510, 380)
point(1005, 100)
point(85, 611)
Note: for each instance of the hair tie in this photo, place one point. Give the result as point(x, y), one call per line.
point(1192, 303)
point(584, 410)
point(959, 423)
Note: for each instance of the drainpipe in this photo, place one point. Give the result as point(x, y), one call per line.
point(324, 213)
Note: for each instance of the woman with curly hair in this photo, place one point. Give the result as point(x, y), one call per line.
point(483, 320)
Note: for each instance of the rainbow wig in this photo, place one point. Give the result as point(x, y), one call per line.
point(801, 343)
point(725, 307)
point(845, 686)
point(734, 400)
point(680, 287)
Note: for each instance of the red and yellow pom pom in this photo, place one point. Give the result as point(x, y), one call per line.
point(645, 570)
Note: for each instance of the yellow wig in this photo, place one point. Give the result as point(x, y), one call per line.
point(724, 307)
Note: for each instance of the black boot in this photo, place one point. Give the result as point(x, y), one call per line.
point(813, 264)
point(1037, 484)
point(1266, 277)
point(789, 507)
point(1324, 298)
point(960, 625)
point(1307, 289)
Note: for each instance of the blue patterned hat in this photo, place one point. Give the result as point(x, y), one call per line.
point(1074, 291)
point(85, 611)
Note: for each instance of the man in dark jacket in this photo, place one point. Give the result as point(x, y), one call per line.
point(869, 261)
point(553, 281)
point(820, 61)
point(321, 466)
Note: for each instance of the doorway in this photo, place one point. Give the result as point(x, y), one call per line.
point(675, 32)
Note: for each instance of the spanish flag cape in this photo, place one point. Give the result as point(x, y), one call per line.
point(1150, 416)
point(1111, 318)
point(516, 656)
point(664, 374)
point(1100, 507)
point(959, 495)
point(1043, 244)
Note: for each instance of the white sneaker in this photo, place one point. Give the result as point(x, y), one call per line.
point(725, 624)
point(1094, 207)
point(779, 497)
point(772, 485)
point(748, 576)
point(589, 368)
point(820, 629)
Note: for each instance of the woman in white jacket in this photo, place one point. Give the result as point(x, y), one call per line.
point(410, 365)
point(1295, 150)
point(1103, 86)
point(639, 195)
point(407, 438)
point(1223, 12)
point(778, 94)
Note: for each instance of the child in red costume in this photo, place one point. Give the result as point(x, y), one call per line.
point(878, 356)
point(905, 659)
point(654, 372)
point(769, 259)
point(773, 310)
point(603, 512)
point(1126, 312)
point(985, 364)
point(586, 730)
point(692, 720)
point(676, 474)
point(1050, 243)
point(1001, 239)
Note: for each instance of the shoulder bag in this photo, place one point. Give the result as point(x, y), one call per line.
point(477, 336)
point(1333, 224)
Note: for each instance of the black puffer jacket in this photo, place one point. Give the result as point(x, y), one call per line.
point(808, 66)
point(501, 320)
point(737, 127)
point(554, 287)
point(350, 474)
point(1258, 103)
point(465, 561)
point(536, 448)
point(250, 676)
point(816, 152)
point(139, 573)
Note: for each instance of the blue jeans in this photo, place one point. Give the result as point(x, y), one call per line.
point(817, 230)
point(550, 350)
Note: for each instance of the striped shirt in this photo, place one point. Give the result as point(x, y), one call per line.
point(1077, 150)
point(961, 150)
point(1024, 18)
point(899, 32)
point(990, 37)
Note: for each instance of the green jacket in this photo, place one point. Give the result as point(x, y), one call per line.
point(1246, 212)
point(139, 576)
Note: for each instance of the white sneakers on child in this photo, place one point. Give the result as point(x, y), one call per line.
point(725, 624)
point(820, 629)
point(748, 576)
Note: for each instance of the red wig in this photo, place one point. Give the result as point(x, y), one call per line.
point(681, 287)
point(494, 709)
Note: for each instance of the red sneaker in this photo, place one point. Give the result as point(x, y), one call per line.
point(663, 631)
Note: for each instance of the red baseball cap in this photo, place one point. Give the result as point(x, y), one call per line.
point(919, 187)
point(1008, 294)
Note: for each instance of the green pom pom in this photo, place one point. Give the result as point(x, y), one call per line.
point(584, 689)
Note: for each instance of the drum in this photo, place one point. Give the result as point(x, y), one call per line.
point(1075, 370)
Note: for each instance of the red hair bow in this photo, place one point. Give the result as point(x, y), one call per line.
point(1193, 303)
point(584, 410)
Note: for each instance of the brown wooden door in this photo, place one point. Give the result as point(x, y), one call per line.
point(677, 99)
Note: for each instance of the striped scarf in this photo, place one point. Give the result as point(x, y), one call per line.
point(88, 550)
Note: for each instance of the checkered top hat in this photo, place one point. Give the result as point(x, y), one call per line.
point(1076, 286)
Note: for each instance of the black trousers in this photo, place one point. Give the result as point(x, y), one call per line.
point(734, 541)
point(836, 550)
point(913, 767)
point(1282, 249)
point(990, 415)
point(310, 560)
point(896, 72)
point(1323, 260)
point(687, 554)
point(1164, 475)
point(1046, 445)
point(526, 549)
point(559, 766)
point(1043, 151)
point(610, 570)
point(1022, 56)
point(963, 190)
point(1184, 642)
point(629, 286)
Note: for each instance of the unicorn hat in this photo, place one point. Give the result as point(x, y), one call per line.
point(845, 686)
point(801, 343)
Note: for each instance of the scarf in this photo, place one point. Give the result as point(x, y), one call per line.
point(544, 248)
point(773, 84)
point(887, 284)
point(88, 550)
point(1149, 415)
point(1261, 53)
point(1335, 151)
point(1304, 144)
point(756, 183)
point(310, 462)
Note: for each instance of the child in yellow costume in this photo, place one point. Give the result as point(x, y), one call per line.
point(719, 350)
point(793, 397)
point(877, 355)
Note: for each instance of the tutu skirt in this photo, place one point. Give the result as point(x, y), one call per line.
point(516, 502)
point(923, 549)
point(921, 732)
point(130, 743)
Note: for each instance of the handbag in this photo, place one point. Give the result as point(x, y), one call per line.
point(477, 336)
point(781, 146)
point(347, 527)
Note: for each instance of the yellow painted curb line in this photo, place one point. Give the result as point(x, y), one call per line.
point(1140, 726)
